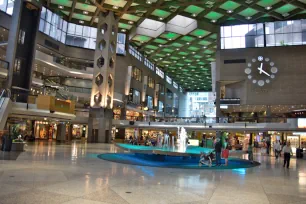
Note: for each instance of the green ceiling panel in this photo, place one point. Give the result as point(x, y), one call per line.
point(208, 52)
point(160, 41)
point(265, 3)
point(125, 26)
point(197, 56)
point(285, 9)
point(81, 17)
point(119, 3)
point(199, 33)
point(152, 47)
point(66, 13)
point(170, 35)
point(213, 36)
point(141, 38)
point(161, 13)
point(204, 42)
point(213, 15)
point(230, 5)
point(183, 53)
point(130, 17)
point(62, 2)
point(187, 38)
point(192, 48)
point(248, 12)
point(167, 50)
point(194, 9)
point(177, 44)
point(85, 7)
point(175, 58)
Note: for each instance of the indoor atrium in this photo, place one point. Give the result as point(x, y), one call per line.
point(152, 101)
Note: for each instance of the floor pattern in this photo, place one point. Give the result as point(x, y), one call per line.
point(49, 173)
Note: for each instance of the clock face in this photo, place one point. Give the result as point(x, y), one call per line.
point(261, 70)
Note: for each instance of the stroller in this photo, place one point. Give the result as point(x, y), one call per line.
point(206, 159)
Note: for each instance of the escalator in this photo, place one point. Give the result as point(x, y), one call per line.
point(5, 108)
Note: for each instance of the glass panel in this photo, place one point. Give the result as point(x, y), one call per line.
point(252, 29)
point(269, 28)
point(86, 31)
point(63, 38)
point(92, 43)
point(43, 12)
point(287, 39)
point(10, 7)
point(303, 25)
point(270, 40)
point(260, 41)
point(297, 39)
point(65, 24)
point(86, 43)
point(47, 28)
point(279, 27)
point(227, 31)
point(49, 16)
point(79, 30)
point(279, 39)
point(222, 31)
point(41, 25)
point(93, 32)
point(71, 28)
point(260, 29)
point(297, 26)
point(227, 43)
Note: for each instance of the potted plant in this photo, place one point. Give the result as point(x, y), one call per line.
point(18, 143)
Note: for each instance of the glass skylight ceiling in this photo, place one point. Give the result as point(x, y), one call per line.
point(180, 54)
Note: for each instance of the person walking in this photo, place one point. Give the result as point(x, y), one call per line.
point(218, 149)
point(287, 150)
point(277, 148)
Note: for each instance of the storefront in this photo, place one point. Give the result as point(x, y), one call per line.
point(132, 115)
point(45, 130)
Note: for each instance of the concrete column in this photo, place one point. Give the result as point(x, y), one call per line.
point(101, 114)
point(218, 109)
point(21, 47)
point(61, 133)
point(70, 132)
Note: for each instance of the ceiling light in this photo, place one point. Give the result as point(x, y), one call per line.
point(123, 30)
point(204, 47)
point(160, 58)
point(160, 18)
point(249, 18)
point(193, 52)
point(131, 22)
point(268, 7)
point(85, 12)
point(200, 36)
point(229, 11)
point(115, 7)
point(188, 43)
point(170, 38)
point(149, 2)
point(177, 49)
point(160, 45)
point(60, 7)
point(81, 21)
point(168, 54)
point(213, 21)
point(194, 15)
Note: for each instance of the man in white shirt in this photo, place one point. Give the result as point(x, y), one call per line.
point(287, 150)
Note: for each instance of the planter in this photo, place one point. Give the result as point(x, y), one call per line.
point(18, 146)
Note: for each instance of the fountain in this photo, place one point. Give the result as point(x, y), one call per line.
point(182, 136)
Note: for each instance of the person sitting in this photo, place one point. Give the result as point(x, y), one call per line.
point(206, 159)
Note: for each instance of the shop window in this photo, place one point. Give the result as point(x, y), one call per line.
point(17, 66)
point(150, 102)
point(160, 107)
point(136, 74)
point(160, 72)
point(151, 82)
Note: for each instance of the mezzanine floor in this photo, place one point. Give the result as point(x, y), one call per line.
point(50, 173)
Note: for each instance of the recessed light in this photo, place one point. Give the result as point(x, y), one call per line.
point(60, 7)
point(81, 21)
point(115, 7)
point(213, 21)
point(194, 15)
point(131, 22)
point(249, 17)
point(177, 49)
point(188, 43)
point(229, 11)
point(160, 18)
point(268, 8)
point(204, 47)
point(149, 2)
point(123, 30)
point(85, 12)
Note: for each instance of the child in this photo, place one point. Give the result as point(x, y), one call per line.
point(206, 159)
point(225, 154)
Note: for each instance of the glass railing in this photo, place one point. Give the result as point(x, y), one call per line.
point(78, 89)
point(71, 65)
point(207, 120)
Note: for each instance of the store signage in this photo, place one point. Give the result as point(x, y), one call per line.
point(301, 122)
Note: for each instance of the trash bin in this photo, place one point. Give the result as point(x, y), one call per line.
point(299, 153)
point(6, 143)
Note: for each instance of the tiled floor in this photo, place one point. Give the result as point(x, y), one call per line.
point(50, 173)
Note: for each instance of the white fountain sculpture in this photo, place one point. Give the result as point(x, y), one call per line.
point(183, 139)
point(166, 140)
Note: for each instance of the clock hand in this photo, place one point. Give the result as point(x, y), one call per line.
point(265, 73)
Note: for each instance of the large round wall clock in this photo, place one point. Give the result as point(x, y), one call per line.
point(261, 70)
